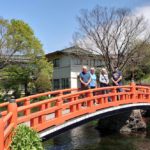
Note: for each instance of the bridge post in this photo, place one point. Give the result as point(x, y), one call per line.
point(1, 133)
point(78, 107)
point(114, 98)
point(26, 103)
point(90, 102)
point(73, 107)
point(34, 122)
point(12, 107)
point(60, 93)
point(148, 96)
point(59, 104)
point(133, 90)
point(42, 118)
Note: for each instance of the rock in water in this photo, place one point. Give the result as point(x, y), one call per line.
point(135, 123)
point(113, 124)
point(126, 122)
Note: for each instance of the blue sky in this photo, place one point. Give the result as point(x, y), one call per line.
point(54, 21)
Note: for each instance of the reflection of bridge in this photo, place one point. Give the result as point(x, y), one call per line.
point(64, 109)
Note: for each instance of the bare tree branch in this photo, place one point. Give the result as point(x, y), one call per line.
point(112, 33)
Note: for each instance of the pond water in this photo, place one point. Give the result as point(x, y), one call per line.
point(86, 137)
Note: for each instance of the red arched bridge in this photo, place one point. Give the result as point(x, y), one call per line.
point(64, 109)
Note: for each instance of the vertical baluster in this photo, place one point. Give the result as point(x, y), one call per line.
point(79, 104)
point(60, 93)
point(12, 107)
point(59, 106)
point(147, 92)
point(114, 97)
point(1, 133)
point(43, 117)
point(91, 101)
point(133, 91)
point(73, 107)
point(34, 122)
point(99, 100)
point(26, 103)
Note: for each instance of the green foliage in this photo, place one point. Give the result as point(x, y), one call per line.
point(146, 80)
point(42, 78)
point(1, 100)
point(45, 70)
point(16, 75)
point(94, 123)
point(40, 99)
point(25, 138)
point(33, 75)
point(17, 38)
point(138, 74)
point(139, 65)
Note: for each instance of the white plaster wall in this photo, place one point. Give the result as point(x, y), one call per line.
point(75, 71)
point(74, 83)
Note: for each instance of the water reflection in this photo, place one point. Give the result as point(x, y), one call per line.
point(86, 137)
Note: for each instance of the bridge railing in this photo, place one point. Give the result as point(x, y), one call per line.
point(143, 92)
point(33, 98)
point(68, 106)
point(7, 124)
point(53, 111)
point(57, 110)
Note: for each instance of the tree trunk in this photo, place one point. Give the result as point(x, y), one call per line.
point(27, 93)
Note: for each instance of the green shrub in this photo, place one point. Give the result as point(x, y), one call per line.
point(40, 99)
point(25, 138)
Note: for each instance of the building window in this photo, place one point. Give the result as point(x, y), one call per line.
point(99, 63)
point(64, 83)
point(92, 63)
point(56, 84)
point(77, 61)
point(56, 62)
point(85, 62)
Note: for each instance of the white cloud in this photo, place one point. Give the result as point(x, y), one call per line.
point(144, 11)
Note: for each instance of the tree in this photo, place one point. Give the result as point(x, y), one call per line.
point(17, 38)
point(33, 76)
point(111, 33)
point(42, 78)
point(139, 64)
point(44, 75)
point(22, 59)
point(14, 77)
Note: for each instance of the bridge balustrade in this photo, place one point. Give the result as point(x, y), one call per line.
point(6, 114)
point(54, 111)
point(33, 98)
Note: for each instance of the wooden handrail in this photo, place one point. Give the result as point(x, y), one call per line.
point(27, 100)
point(77, 103)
